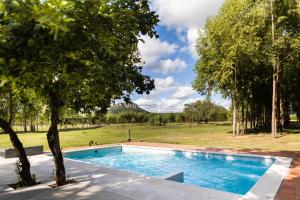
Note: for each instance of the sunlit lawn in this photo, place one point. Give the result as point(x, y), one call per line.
point(202, 135)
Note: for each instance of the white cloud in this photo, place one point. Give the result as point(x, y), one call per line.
point(168, 96)
point(172, 104)
point(153, 49)
point(219, 100)
point(168, 65)
point(187, 19)
point(159, 105)
point(162, 85)
point(184, 92)
point(165, 82)
point(155, 52)
point(186, 16)
point(183, 14)
point(192, 36)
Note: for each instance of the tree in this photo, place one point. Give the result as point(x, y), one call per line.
point(86, 75)
point(237, 56)
point(204, 111)
point(285, 31)
point(8, 89)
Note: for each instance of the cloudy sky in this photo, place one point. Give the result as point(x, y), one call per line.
point(170, 59)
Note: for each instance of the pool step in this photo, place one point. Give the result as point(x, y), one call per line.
point(174, 176)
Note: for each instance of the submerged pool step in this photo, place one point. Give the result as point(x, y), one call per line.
point(174, 176)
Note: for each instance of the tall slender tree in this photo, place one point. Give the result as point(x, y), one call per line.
point(242, 55)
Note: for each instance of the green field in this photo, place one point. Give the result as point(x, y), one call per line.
point(202, 135)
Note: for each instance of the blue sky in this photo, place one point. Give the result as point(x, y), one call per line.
point(171, 58)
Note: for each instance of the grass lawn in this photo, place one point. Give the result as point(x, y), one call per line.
point(202, 135)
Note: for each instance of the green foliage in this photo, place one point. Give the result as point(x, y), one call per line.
point(75, 54)
point(237, 55)
point(158, 120)
point(83, 57)
point(204, 111)
point(20, 183)
point(199, 111)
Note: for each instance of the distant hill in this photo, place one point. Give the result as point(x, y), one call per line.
point(123, 107)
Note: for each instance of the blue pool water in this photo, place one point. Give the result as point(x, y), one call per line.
point(236, 174)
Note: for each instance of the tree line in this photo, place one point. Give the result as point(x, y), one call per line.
point(250, 52)
point(32, 115)
point(78, 55)
point(197, 112)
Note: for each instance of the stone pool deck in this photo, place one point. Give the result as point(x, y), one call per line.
point(94, 182)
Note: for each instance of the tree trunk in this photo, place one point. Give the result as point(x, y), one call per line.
point(235, 122)
point(10, 120)
point(274, 108)
point(281, 120)
point(247, 117)
point(53, 139)
point(274, 92)
point(37, 123)
point(25, 122)
point(243, 117)
point(281, 98)
point(234, 115)
point(25, 174)
point(251, 116)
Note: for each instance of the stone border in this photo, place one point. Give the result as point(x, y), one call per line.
point(30, 151)
point(265, 188)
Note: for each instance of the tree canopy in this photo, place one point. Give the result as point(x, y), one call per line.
point(238, 54)
point(75, 54)
point(204, 111)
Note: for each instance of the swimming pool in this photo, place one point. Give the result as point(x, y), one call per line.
point(231, 173)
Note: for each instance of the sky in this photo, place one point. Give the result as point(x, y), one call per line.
point(170, 59)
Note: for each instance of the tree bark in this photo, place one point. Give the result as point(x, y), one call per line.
point(10, 120)
point(243, 116)
point(281, 98)
point(25, 122)
point(235, 127)
point(281, 120)
point(247, 117)
point(37, 123)
point(274, 108)
point(25, 173)
point(234, 115)
point(274, 91)
point(53, 139)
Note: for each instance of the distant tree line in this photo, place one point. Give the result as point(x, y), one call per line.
point(32, 115)
point(204, 111)
point(199, 111)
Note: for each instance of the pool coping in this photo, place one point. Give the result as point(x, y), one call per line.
point(266, 187)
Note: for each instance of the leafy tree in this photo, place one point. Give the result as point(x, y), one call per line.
point(29, 107)
point(158, 119)
point(204, 111)
point(238, 55)
point(8, 93)
point(76, 57)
